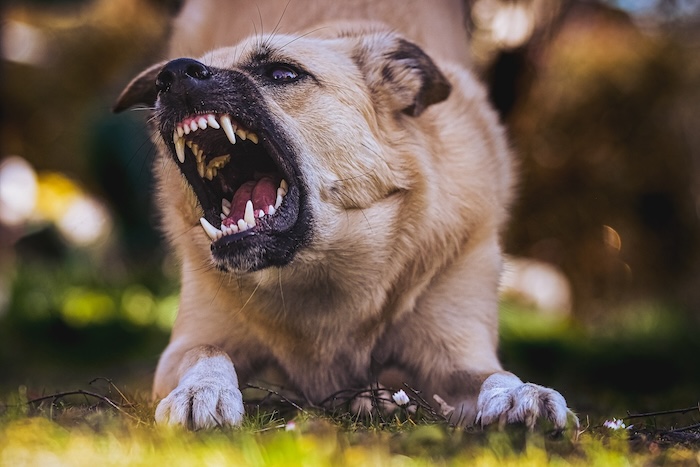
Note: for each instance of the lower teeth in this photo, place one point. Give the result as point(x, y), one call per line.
point(249, 217)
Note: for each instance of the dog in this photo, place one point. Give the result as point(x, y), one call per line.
point(335, 197)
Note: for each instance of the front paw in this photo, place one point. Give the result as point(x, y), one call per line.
point(206, 397)
point(506, 399)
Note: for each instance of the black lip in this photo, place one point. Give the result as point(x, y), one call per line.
point(276, 239)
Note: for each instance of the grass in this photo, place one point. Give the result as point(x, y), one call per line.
point(102, 423)
point(52, 341)
point(104, 426)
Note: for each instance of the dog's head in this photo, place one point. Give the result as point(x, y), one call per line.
point(278, 138)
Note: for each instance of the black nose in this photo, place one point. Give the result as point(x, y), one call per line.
point(184, 71)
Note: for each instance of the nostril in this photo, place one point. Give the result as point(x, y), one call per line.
point(181, 70)
point(198, 71)
point(164, 80)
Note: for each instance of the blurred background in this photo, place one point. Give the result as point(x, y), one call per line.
point(601, 296)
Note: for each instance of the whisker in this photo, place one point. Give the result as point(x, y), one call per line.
point(208, 58)
point(355, 177)
point(221, 283)
point(279, 277)
point(249, 299)
point(141, 109)
point(279, 21)
point(362, 211)
point(301, 37)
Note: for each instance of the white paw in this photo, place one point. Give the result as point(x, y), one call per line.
point(206, 396)
point(506, 399)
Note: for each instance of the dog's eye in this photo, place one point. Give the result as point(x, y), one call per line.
point(282, 73)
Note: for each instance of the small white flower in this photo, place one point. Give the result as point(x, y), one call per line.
point(614, 424)
point(401, 398)
point(290, 426)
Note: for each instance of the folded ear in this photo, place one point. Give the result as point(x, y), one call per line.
point(141, 91)
point(400, 74)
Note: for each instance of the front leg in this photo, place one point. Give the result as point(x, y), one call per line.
point(450, 341)
point(206, 394)
point(504, 398)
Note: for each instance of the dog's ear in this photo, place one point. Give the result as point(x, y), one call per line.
point(401, 75)
point(140, 91)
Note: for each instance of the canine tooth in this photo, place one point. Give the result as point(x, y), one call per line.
point(226, 207)
point(281, 192)
point(193, 125)
point(284, 185)
point(249, 216)
point(180, 131)
point(278, 202)
point(242, 226)
point(211, 231)
point(211, 120)
point(228, 128)
point(241, 133)
point(252, 137)
point(180, 150)
point(202, 122)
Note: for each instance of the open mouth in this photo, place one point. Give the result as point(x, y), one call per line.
point(244, 184)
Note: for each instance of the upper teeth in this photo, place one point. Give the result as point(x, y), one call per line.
point(249, 217)
point(202, 122)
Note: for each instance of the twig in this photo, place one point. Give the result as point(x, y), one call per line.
point(685, 428)
point(271, 391)
point(375, 398)
point(426, 405)
point(60, 395)
point(125, 400)
point(269, 428)
point(663, 412)
point(352, 393)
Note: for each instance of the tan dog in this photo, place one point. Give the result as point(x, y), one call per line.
point(350, 191)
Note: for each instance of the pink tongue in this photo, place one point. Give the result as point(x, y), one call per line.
point(263, 193)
